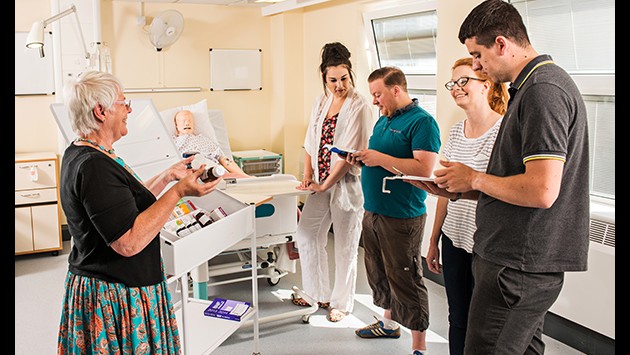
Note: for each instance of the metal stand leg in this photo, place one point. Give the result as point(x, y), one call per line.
point(184, 284)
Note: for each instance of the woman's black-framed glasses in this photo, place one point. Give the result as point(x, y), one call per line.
point(461, 82)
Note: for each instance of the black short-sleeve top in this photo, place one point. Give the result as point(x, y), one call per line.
point(101, 201)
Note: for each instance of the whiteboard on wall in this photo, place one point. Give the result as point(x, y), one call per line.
point(33, 75)
point(235, 69)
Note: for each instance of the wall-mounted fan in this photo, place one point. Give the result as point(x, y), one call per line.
point(166, 28)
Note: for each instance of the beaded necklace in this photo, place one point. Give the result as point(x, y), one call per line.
point(110, 151)
point(117, 159)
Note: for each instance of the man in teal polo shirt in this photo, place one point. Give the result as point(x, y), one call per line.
point(405, 138)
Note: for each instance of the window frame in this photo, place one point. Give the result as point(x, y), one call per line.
point(590, 84)
point(414, 81)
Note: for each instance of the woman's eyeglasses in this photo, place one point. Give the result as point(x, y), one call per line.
point(127, 103)
point(461, 82)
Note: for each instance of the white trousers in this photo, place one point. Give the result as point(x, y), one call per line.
point(317, 216)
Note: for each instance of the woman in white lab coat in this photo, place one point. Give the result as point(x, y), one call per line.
point(340, 117)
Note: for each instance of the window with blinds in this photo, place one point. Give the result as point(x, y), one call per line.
point(407, 42)
point(426, 100)
point(578, 34)
point(580, 37)
point(405, 36)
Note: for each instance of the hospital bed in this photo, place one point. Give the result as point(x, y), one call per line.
point(148, 148)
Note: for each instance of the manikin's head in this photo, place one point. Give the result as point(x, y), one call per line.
point(184, 122)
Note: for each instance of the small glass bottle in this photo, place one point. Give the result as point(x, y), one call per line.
point(183, 231)
point(213, 173)
point(202, 218)
point(213, 170)
point(194, 226)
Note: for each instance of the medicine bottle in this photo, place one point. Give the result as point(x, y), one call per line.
point(213, 173)
point(213, 170)
point(202, 218)
point(194, 226)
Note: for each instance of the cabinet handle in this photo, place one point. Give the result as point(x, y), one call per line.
point(33, 195)
point(28, 166)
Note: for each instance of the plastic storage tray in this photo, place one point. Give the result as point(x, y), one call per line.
point(258, 162)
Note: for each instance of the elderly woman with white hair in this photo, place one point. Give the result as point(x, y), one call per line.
point(116, 297)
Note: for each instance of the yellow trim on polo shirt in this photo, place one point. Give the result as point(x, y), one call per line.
point(531, 71)
point(544, 157)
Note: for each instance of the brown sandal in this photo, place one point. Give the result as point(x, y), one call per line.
point(323, 305)
point(299, 301)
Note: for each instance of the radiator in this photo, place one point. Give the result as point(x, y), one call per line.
point(588, 298)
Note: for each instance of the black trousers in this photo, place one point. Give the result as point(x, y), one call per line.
point(459, 283)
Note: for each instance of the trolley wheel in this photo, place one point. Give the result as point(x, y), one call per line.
point(272, 280)
point(306, 318)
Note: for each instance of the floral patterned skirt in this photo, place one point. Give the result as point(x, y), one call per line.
point(100, 317)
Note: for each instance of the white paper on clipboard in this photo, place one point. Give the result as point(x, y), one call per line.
point(403, 177)
point(413, 177)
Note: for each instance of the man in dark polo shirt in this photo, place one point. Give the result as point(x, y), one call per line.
point(533, 208)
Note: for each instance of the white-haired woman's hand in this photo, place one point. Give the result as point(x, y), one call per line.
point(191, 184)
point(181, 169)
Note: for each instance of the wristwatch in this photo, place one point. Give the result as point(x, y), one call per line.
point(457, 197)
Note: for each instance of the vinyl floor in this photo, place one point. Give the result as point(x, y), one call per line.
point(39, 280)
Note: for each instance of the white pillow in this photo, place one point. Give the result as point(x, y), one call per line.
point(199, 111)
point(218, 123)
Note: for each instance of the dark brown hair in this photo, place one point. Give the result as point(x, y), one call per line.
point(494, 18)
point(391, 76)
point(335, 54)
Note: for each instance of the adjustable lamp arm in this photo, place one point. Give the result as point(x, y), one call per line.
point(60, 15)
point(35, 38)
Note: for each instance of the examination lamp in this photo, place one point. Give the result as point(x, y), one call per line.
point(35, 38)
